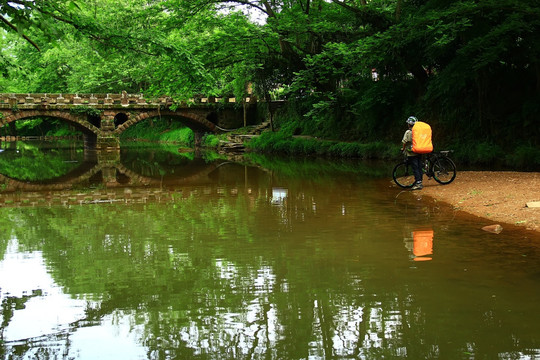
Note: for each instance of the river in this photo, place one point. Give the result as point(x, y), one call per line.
point(167, 254)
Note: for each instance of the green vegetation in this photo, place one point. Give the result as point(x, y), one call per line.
point(351, 70)
point(211, 141)
point(281, 143)
point(87, 110)
point(39, 127)
point(167, 132)
point(159, 131)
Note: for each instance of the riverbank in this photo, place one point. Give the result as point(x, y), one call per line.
point(500, 197)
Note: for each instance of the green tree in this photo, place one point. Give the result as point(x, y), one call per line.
point(351, 70)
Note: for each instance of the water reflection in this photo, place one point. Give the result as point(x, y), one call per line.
point(420, 245)
point(40, 320)
point(91, 168)
point(219, 270)
point(279, 195)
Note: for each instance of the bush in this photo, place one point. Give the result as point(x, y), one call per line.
point(286, 144)
point(487, 153)
point(484, 153)
point(182, 135)
point(160, 131)
point(210, 140)
point(525, 157)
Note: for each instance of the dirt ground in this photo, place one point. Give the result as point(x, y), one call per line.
point(498, 196)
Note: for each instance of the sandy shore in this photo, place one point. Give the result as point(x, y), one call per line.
point(501, 197)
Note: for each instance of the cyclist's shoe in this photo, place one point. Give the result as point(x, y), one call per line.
point(417, 186)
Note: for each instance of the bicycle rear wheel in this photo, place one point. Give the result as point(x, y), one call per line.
point(403, 175)
point(444, 170)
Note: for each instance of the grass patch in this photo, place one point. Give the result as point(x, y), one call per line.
point(283, 143)
point(210, 140)
point(160, 131)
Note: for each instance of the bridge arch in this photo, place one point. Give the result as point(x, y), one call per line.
point(195, 121)
point(120, 118)
point(78, 121)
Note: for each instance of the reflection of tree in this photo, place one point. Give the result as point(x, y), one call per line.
point(166, 161)
point(233, 276)
point(26, 348)
point(32, 163)
point(10, 304)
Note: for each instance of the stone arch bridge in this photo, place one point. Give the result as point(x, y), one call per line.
point(101, 118)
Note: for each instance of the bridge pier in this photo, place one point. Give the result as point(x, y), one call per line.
point(108, 158)
point(108, 143)
point(197, 138)
point(106, 140)
point(101, 142)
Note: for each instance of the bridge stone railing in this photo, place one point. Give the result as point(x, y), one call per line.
point(123, 99)
point(79, 99)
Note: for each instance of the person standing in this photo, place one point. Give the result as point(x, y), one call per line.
point(413, 158)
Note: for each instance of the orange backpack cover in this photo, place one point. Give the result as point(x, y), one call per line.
point(421, 138)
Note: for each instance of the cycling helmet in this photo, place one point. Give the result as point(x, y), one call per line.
point(411, 120)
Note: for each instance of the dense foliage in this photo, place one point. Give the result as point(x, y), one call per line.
point(352, 70)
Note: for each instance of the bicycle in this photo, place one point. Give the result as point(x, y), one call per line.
point(436, 165)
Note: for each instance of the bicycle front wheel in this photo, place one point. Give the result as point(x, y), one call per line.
point(403, 175)
point(444, 170)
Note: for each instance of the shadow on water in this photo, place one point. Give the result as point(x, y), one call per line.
point(161, 254)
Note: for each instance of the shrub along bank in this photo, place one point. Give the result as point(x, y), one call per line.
point(300, 135)
point(280, 142)
point(293, 140)
point(479, 154)
point(286, 141)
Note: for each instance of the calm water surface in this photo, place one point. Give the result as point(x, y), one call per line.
point(168, 255)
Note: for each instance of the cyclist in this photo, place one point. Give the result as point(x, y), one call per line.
point(414, 159)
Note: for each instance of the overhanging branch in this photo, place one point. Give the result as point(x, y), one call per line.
point(14, 28)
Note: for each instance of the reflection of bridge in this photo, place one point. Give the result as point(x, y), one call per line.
point(114, 183)
point(103, 117)
point(109, 173)
point(114, 195)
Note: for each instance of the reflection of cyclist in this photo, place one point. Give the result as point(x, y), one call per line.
point(423, 244)
point(414, 159)
point(420, 246)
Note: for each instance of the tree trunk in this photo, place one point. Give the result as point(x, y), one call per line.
point(537, 67)
point(245, 113)
point(284, 46)
point(398, 9)
point(421, 77)
point(268, 99)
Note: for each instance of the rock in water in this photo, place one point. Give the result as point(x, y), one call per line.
point(496, 229)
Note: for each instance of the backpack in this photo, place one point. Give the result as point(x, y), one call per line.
point(421, 138)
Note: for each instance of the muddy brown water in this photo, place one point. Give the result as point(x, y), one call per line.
point(174, 258)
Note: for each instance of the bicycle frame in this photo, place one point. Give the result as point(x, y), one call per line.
point(432, 159)
point(435, 165)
